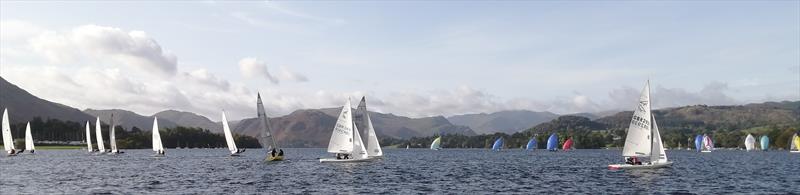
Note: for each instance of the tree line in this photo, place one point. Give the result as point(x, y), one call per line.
point(68, 132)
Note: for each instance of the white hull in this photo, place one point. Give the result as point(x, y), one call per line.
point(794, 151)
point(706, 151)
point(333, 160)
point(376, 157)
point(643, 166)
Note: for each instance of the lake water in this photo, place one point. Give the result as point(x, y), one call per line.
point(473, 171)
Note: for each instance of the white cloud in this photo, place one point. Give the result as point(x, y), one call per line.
point(291, 76)
point(17, 31)
point(252, 68)
point(97, 43)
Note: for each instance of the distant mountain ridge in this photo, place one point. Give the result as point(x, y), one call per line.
point(23, 106)
point(128, 119)
point(508, 122)
point(188, 119)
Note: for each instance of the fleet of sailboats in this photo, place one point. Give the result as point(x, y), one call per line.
point(643, 140)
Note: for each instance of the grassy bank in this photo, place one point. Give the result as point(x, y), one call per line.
point(64, 147)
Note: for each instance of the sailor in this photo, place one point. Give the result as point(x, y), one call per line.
point(629, 160)
point(280, 153)
point(12, 151)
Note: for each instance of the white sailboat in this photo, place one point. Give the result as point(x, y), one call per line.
point(157, 146)
point(750, 142)
point(708, 144)
point(373, 146)
point(29, 139)
point(113, 137)
point(8, 141)
point(794, 144)
point(89, 137)
point(98, 131)
point(638, 143)
point(436, 144)
point(274, 152)
point(229, 137)
point(345, 140)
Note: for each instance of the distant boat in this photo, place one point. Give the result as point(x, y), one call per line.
point(708, 144)
point(436, 144)
point(274, 153)
point(406, 147)
point(229, 137)
point(89, 137)
point(29, 139)
point(99, 131)
point(373, 146)
point(638, 142)
point(552, 142)
point(764, 143)
point(795, 144)
point(698, 142)
point(112, 136)
point(345, 140)
point(8, 141)
point(567, 145)
point(498, 144)
point(750, 142)
point(531, 144)
point(157, 146)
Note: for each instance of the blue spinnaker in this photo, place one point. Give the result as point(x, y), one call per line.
point(531, 144)
point(764, 143)
point(552, 142)
point(698, 142)
point(498, 144)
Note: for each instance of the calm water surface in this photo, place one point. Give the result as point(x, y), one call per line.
point(474, 171)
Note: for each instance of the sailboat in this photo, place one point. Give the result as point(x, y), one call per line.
point(373, 147)
point(764, 143)
point(112, 136)
point(531, 144)
point(99, 131)
point(638, 142)
point(229, 137)
point(498, 144)
point(698, 142)
point(567, 145)
point(275, 153)
point(794, 144)
point(407, 147)
point(750, 142)
point(89, 137)
point(8, 141)
point(552, 142)
point(708, 144)
point(29, 139)
point(345, 140)
point(157, 146)
point(436, 144)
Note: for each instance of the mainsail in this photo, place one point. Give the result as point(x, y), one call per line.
point(373, 146)
point(157, 146)
point(8, 142)
point(750, 142)
point(112, 136)
point(795, 144)
point(342, 137)
point(638, 142)
point(228, 136)
point(436, 144)
point(266, 132)
point(98, 131)
point(89, 137)
point(28, 138)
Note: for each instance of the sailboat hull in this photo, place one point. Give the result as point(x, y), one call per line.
point(706, 151)
point(333, 160)
point(643, 166)
point(794, 151)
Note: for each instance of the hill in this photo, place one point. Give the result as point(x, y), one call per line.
point(504, 121)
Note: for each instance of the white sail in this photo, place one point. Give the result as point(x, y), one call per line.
point(359, 152)
point(638, 142)
point(795, 144)
point(436, 144)
point(266, 133)
point(89, 137)
point(228, 136)
point(342, 136)
point(373, 146)
point(658, 154)
point(8, 141)
point(29, 138)
point(112, 136)
point(156, 137)
point(750, 142)
point(98, 131)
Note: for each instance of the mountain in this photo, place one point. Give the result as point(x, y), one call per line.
point(128, 119)
point(503, 121)
point(188, 119)
point(313, 127)
point(23, 106)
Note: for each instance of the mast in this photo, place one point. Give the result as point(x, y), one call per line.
point(652, 118)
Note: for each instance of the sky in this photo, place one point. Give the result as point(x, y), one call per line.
point(409, 58)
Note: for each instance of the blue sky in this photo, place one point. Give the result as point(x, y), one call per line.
point(410, 58)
